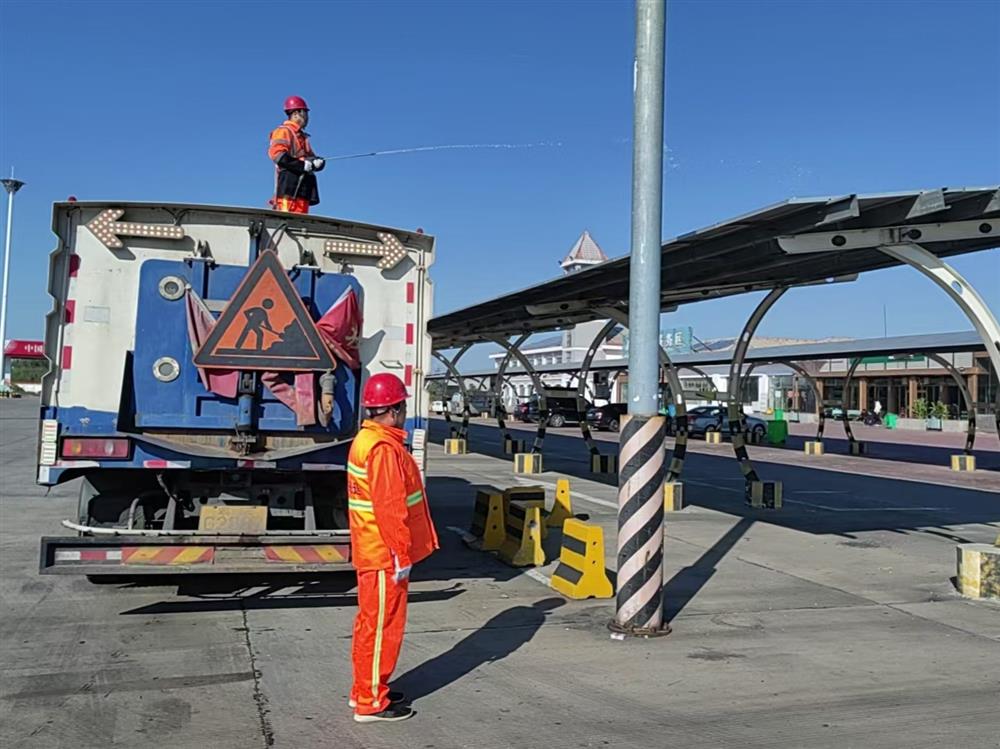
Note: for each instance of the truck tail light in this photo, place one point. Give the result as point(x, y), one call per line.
point(95, 447)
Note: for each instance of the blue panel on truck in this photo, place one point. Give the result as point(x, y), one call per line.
point(162, 331)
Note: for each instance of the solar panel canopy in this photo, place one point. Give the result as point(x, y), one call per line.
point(737, 256)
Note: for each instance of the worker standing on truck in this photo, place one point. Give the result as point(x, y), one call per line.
point(391, 530)
point(295, 163)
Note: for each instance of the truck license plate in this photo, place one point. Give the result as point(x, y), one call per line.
point(233, 520)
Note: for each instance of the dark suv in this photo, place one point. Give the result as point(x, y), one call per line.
point(607, 417)
point(561, 409)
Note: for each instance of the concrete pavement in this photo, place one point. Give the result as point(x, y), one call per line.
point(830, 624)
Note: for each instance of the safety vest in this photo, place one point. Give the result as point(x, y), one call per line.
point(369, 550)
point(291, 139)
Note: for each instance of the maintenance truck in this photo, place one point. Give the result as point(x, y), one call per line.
point(206, 365)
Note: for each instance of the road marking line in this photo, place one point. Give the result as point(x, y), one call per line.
point(869, 509)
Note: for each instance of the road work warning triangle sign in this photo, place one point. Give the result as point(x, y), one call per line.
point(265, 326)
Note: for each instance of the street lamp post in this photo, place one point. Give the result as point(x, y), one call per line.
point(639, 604)
point(11, 185)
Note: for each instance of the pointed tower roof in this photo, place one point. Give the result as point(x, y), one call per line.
point(583, 253)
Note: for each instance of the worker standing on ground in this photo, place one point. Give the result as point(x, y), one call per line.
point(391, 530)
point(296, 165)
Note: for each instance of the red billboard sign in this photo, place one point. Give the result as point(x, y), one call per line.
point(18, 349)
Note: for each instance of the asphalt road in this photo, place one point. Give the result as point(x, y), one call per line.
point(833, 623)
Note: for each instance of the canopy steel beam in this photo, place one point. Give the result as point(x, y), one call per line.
point(970, 405)
point(452, 366)
point(734, 386)
point(817, 391)
point(581, 387)
point(961, 291)
point(498, 386)
point(543, 413)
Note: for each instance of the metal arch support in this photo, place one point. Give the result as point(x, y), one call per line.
point(543, 416)
point(962, 292)
point(700, 372)
point(843, 400)
point(970, 435)
point(581, 387)
point(452, 365)
point(498, 385)
point(804, 373)
point(737, 422)
point(677, 393)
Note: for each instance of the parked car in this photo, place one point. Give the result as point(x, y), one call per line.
point(716, 419)
point(607, 417)
point(561, 409)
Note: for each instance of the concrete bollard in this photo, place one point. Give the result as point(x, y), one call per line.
point(455, 447)
point(963, 462)
point(673, 496)
point(603, 464)
point(814, 447)
point(527, 463)
point(979, 570)
point(581, 573)
point(765, 495)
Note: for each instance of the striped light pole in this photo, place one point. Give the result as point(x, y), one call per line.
point(639, 605)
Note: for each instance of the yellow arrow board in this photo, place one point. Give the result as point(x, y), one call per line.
point(107, 229)
point(390, 250)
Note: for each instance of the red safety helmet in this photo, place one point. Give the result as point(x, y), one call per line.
point(383, 390)
point(293, 103)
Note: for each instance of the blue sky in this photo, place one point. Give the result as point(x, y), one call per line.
point(764, 101)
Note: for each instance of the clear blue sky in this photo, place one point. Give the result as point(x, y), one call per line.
point(765, 100)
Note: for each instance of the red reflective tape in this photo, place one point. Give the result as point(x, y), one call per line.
point(411, 292)
point(93, 556)
point(67, 357)
point(408, 375)
point(309, 555)
point(74, 265)
point(70, 310)
point(166, 555)
point(409, 334)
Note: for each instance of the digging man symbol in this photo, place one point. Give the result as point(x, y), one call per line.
point(257, 322)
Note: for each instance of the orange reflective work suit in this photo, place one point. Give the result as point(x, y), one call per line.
point(294, 188)
point(390, 526)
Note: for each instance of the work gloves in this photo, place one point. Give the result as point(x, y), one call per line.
point(313, 165)
point(400, 573)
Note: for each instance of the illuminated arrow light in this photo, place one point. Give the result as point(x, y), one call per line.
point(106, 227)
point(389, 252)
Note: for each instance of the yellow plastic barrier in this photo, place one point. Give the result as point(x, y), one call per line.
point(488, 518)
point(562, 507)
point(522, 544)
point(581, 573)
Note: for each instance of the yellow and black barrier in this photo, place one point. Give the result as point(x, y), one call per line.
point(814, 447)
point(603, 464)
point(562, 507)
point(488, 518)
point(859, 448)
point(533, 496)
point(581, 573)
point(765, 494)
point(963, 462)
point(522, 544)
point(713, 437)
point(979, 570)
point(673, 496)
point(512, 446)
point(456, 446)
point(528, 463)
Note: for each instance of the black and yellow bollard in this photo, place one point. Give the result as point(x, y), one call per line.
point(963, 462)
point(765, 495)
point(456, 446)
point(527, 463)
point(673, 496)
point(603, 464)
point(713, 437)
point(814, 447)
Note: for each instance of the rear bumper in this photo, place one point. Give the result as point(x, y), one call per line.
point(174, 555)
